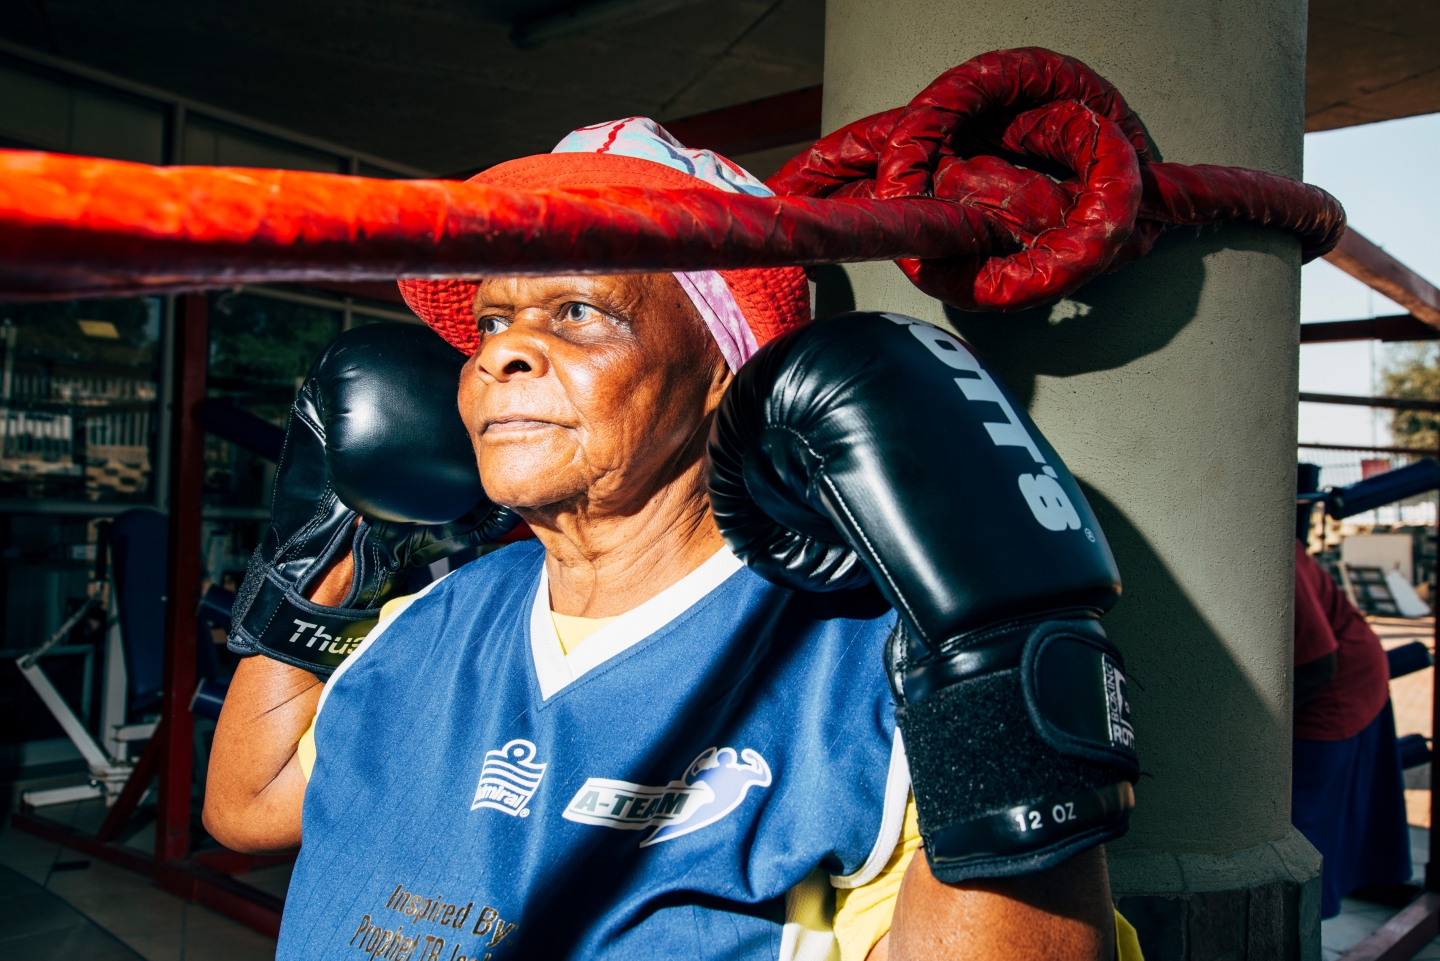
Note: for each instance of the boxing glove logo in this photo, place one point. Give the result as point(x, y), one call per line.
point(1048, 502)
point(1043, 494)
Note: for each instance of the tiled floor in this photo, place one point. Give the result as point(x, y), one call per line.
point(39, 924)
point(155, 925)
point(1358, 920)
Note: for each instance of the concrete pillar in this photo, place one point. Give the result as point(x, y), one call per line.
point(1170, 390)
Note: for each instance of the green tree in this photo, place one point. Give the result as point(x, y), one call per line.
point(1413, 371)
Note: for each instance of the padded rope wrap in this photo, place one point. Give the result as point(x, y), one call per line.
point(919, 182)
point(938, 144)
point(1093, 226)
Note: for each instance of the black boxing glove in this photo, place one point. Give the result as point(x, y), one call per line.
point(875, 447)
point(376, 461)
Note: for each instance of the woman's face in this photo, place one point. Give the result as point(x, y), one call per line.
point(593, 390)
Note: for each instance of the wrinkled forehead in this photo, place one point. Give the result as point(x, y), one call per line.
point(655, 305)
point(629, 289)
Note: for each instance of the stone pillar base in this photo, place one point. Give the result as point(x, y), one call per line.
point(1257, 904)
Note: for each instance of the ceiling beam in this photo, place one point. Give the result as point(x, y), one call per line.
point(1385, 403)
point(1384, 274)
point(1392, 328)
point(586, 17)
point(778, 121)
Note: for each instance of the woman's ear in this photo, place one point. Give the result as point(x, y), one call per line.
point(720, 377)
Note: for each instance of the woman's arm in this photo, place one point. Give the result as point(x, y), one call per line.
point(1063, 914)
point(255, 788)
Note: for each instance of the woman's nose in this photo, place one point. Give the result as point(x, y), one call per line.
point(513, 352)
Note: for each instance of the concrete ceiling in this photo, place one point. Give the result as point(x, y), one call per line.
point(439, 84)
point(436, 84)
point(1371, 60)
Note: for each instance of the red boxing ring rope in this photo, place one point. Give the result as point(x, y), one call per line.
point(931, 185)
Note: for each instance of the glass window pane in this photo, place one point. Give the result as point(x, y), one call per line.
point(125, 129)
point(79, 399)
point(212, 142)
point(381, 173)
point(260, 351)
point(46, 113)
point(47, 562)
point(34, 111)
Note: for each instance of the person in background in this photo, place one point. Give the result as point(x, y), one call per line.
point(1347, 792)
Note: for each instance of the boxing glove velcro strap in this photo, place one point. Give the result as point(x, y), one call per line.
point(1075, 691)
point(1040, 726)
point(285, 626)
point(995, 653)
point(1055, 826)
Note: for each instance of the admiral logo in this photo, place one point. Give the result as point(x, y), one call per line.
point(713, 785)
point(508, 779)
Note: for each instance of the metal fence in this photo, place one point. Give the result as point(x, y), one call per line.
point(1340, 466)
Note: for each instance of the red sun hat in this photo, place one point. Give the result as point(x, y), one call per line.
point(744, 309)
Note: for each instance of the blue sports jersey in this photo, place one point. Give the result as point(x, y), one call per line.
point(477, 793)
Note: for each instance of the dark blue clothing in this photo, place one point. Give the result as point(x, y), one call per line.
point(1348, 799)
point(660, 804)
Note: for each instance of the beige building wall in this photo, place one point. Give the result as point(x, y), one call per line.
point(1169, 388)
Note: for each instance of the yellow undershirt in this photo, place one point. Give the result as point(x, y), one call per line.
point(857, 917)
point(573, 630)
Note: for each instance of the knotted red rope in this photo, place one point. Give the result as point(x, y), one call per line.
point(931, 185)
point(1051, 236)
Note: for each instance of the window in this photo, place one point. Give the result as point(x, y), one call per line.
point(211, 142)
point(81, 418)
point(79, 393)
point(260, 350)
point(43, 113)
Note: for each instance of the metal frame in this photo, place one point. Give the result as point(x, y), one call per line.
point(345, 305)
point(109, 760)
point(204, 877)
point(1389, 328)
point(1381, 272)
point(178, 479)
point(1402, 937)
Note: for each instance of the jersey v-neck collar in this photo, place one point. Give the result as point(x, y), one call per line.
point(555, 669)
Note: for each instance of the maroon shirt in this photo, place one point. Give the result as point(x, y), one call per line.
point(1326, 621)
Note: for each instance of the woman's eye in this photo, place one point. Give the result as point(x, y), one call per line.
point(493, 325)
point(579, 313)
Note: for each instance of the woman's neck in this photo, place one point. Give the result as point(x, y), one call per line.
point(600, 566)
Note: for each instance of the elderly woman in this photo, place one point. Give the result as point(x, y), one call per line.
point(616, 739)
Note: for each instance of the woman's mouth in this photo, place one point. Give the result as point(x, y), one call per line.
point(515, 425)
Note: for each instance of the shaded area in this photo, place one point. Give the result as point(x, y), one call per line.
point(1182, 662)
point(438, 84)
point(1111, 321)
point(42, 925)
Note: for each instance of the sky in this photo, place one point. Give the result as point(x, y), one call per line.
point(1386, 176)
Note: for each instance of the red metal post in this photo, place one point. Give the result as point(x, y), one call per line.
point(182, 590)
